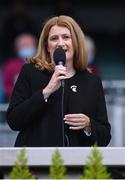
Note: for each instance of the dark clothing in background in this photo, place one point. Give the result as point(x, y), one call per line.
point(11, 70)
point(40, 123)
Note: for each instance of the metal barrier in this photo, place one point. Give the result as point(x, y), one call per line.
point(115, 100)
point(3, 107)
point(7, 136)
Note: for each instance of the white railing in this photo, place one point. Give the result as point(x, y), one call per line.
point(71, 155)
point(40, 159)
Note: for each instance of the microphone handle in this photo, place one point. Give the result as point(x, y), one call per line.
point(62, 83)
point(61, 63)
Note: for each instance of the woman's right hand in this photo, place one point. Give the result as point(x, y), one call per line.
point(55, 81)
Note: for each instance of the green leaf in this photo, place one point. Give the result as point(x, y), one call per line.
point(57, 169)
point(20, 169)
point(94, 169)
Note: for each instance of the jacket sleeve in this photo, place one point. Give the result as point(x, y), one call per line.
point(100, 125)
point(24, 107)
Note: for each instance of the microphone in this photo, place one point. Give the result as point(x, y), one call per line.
point(59, 57)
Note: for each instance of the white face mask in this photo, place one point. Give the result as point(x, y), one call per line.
point(26, 52)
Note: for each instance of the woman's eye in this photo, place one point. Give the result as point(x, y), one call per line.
point(53, 38)
point(66, 37)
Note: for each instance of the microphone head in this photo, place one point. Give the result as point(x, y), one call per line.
point(59, 56)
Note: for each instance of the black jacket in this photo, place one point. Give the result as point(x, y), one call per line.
point(40, 123)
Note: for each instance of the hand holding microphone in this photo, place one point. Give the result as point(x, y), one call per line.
point(59, 74)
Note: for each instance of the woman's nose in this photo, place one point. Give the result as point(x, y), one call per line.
point(60, 42)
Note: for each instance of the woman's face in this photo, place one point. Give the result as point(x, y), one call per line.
point(60, 36)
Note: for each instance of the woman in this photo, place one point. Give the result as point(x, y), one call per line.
point(35, 109)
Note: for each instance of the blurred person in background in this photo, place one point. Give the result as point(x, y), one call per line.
point(35, 108)
point(24, 47)
point(91, 49)
point(17, 20)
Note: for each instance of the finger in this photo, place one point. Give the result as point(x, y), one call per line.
point(74, 115)
point(76, 128)
point(75, 119)
point(62, 77)
point(60, 72)
point(75, 123)
point(60, 68)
